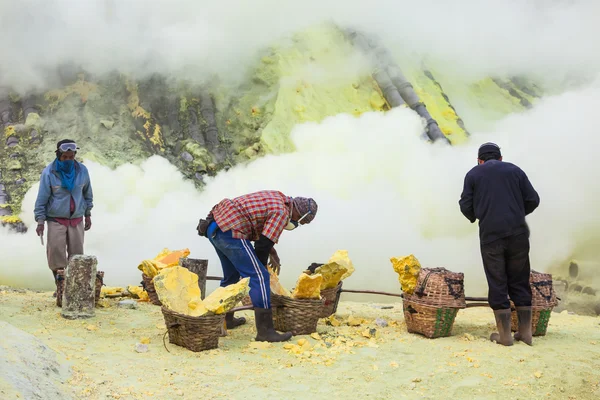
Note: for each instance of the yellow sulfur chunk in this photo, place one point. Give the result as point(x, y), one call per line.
point(149, 268)
point(137, 292)
point(225, 298)
point(176, 287)
point(111, 290)
point(332, 273)
point(408, 271)
point(308, 287)
point(170, 258)
point(276, 286)
point(341, 257)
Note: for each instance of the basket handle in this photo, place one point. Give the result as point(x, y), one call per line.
point(537, 286)
point(421, 291)
point(450, 282)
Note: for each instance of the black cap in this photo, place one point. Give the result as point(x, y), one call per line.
point(489, 147)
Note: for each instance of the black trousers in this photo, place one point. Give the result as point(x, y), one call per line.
point(507, 269)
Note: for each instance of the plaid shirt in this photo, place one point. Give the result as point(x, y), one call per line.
point(266, 212)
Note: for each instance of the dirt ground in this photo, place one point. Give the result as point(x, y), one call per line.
point(341, 362)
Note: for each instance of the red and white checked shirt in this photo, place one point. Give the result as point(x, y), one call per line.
point(266, 212)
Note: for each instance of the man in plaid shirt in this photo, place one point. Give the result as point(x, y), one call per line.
point(258, 217)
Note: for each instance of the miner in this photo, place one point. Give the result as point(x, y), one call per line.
point(258, 217)
point(64, 202)
point(500, 195)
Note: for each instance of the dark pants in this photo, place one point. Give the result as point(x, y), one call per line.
point(506, 264)
point(238, 258)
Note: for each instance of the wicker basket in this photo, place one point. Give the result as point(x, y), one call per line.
point(200, 268)
point(60, 286)
point(543, 300)
point(438, 287)
point(148, 286)
point(429, 321)
point(193, 333)
point(299, 316)
point(331, 298)
point(99, 284)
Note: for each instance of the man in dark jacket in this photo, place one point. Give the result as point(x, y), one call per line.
point(500, 195)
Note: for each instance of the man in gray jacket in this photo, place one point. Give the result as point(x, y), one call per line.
point(64, 201)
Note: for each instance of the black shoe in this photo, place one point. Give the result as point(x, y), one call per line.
point(264, 327)
point(503, 336)
point(524, 334)
point(232, 322)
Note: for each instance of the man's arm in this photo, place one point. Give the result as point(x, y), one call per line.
point(531, 199)
point(41, 202)
point(88, 196)
point(466, 199)
point(263, 247)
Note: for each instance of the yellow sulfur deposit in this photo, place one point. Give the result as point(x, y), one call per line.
point(138, 292)
point(225, 298)
point(408, 271)
point(341, 257)
point(107, 290)
point(332, 273)
point(308, 287)
point(276, 286)
point(165, 259)
point(177, 288)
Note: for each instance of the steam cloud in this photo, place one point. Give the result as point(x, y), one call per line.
point(382, 192)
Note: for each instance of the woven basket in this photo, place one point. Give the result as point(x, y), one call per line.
point(200, 268)
point(148, 286)
point(543, 300)
point(247, 301)
point(438, 287)
point(60, 286)
point(299, 316)
point(331, 298)
point(429, 321)
point(99, 284)
point(193, 333)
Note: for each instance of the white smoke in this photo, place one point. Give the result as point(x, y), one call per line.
point(382, 192)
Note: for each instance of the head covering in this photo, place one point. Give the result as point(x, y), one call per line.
point(65, 141)
point(304, 205)
point(489, 147)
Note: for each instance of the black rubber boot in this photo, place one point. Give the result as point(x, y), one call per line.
point(264, 327)
point(524, 334)
point(55, 282)
point(232, 322)
point(503, 336)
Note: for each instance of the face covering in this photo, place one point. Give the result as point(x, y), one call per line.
point(66, 170)
point(291, 225)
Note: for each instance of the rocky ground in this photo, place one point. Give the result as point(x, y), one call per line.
point(369, 355)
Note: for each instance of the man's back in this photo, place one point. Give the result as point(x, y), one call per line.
point(499, 195)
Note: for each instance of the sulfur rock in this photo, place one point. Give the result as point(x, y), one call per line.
point(137, 292)
point(407, 269)
point(276, 286)
point(341, 257)
point(165, 259)
point(308, 287)
point(225, 298)
point(332, 273)
point(177, 288)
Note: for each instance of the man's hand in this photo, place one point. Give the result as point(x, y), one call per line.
point(274, 260)
point(40, 229)
point(88, 223)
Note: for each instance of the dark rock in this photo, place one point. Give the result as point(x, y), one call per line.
point(79, 287)
point(20, 181)
point(12, 141)
point(187, 156)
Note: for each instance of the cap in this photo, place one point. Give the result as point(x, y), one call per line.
point(489, 147)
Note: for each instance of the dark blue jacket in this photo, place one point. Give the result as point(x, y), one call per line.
point(499, 195)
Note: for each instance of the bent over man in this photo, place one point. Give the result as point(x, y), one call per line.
point(64, 200)
point(258, 217)
point(500, 195)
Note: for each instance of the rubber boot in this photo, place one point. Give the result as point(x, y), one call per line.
point(55, 282)
point(524, 334)
point(232, 322)
point(503, 336)
point(264, 327)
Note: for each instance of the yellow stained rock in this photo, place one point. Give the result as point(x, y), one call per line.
point(111, 290)
point(308, 287)
point(341, 257)
point(276, 286)
point(332, 273)
point(145, 340)
point(137, 292)
point(177, 288)
point(352, 321)
point(408, 271)
point(165, 259)
point(225, 298)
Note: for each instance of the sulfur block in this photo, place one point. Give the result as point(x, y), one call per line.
point(341, 257)
point(177, 288)
point(225, 298)
point(408, 272)
point(308, 287)
point(332, 273)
